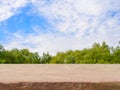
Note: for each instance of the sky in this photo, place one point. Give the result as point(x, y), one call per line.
point(58, 25)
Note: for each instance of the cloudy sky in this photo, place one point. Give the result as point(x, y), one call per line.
point(58, 25)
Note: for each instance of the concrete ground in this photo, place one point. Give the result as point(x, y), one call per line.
point(11, 73)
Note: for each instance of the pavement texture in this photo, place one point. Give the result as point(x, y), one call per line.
point(59, 77)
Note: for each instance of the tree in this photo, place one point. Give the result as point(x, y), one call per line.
point(2, 60)
point(1, 48)
point(46, 57)
point(116, 54)
point(59, 58)
point(97, 54)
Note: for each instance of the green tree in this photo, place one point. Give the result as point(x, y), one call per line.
point(59, 58)
point(1, 48)
point(46, 58)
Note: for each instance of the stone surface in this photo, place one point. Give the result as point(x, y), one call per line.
point(59, 77)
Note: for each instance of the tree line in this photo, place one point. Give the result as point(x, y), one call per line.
point(97, 54)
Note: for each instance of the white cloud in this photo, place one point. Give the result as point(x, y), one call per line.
point(83, 17)
point(45, 42)
point(82, 22)
point(10, 7)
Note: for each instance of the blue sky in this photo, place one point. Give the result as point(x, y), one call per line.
point(58, 25)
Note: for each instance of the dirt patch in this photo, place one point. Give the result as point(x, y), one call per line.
point(60, 86)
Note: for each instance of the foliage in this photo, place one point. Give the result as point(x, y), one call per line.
point(97, 54)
